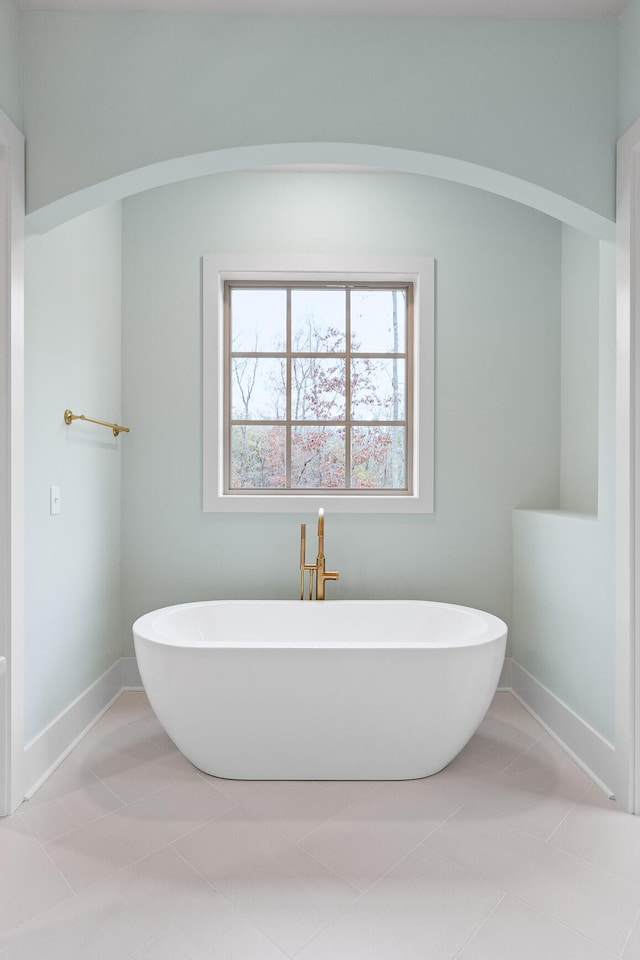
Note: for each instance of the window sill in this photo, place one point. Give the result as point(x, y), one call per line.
point(301, 503)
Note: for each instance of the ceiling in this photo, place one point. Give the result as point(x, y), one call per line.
point(557, 9)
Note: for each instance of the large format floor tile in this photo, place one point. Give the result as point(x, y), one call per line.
point(349, 790)
point(16, 840)
point(545, 766)
point(111, 740)
point(128, 852)
point(498, 742)
point(632, 947)
point(29, 884)
point(214, 933)
point(71, 797)
point(132, 705)
point(293, 808)
point(286, 892)
point(142, 908)
point(139, 779)
point(368, 838)
point(508, 710)
point(99, 849)
point(592, 902)
point(536, 936)
point(531, 810)
point(131, 759)
point(500, 698)
point(426, 908)
point(598, 831)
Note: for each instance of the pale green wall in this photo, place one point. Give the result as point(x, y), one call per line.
point(564, 565)
point(580, 266)
point(563, 616)
point(497, 387)
point(11, 60)
point(107, 93)
point(629, 66)
point(73, 300)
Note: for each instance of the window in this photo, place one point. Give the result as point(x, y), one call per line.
point(315, 387)
point(318, 384)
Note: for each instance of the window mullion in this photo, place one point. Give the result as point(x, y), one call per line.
point(289, 373)
point(226, 396)
point(347, 399)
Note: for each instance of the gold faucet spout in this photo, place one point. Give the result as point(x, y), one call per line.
point(320, 533)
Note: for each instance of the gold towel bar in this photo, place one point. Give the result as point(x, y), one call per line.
point(70, 417)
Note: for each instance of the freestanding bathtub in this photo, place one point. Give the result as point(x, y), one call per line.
point(341, 690)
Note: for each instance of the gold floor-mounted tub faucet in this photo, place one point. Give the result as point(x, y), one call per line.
point(317, 568)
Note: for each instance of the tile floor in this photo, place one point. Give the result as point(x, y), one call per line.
point(127, 851)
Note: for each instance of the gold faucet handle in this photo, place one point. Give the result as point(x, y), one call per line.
point(303, 544)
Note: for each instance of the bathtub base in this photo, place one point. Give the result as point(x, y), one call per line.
point(320, 714)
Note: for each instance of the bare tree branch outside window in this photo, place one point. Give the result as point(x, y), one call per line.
point(316, 390)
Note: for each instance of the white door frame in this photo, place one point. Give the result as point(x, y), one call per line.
point(628, 471)
point(12, 216)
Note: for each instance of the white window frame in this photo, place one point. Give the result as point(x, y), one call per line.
point(417, 270)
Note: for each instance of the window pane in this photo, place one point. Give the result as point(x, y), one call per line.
point(258, 320)
point(377, 389)
point(378, 321)
point(318, 389)
point(258, 388)
point(317, 457)
point(257, 456)
point(318, 321)
point(290, 413)
point(378, 457)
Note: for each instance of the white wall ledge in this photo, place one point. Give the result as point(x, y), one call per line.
point(560, 514)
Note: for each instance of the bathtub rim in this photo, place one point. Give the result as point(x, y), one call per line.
point(494, 629)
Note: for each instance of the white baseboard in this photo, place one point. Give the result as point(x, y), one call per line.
point(49, 748)
point(45, 752)
point(585, 745)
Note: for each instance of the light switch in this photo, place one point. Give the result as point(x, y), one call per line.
point(54, 500)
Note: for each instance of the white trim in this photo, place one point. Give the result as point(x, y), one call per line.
point(50, 747)
point(11, 463)
point(627, 470)
point(357, 155)
point(595, 755)
point(418, 270)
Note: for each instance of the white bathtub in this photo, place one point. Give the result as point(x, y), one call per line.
point(340, 690)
